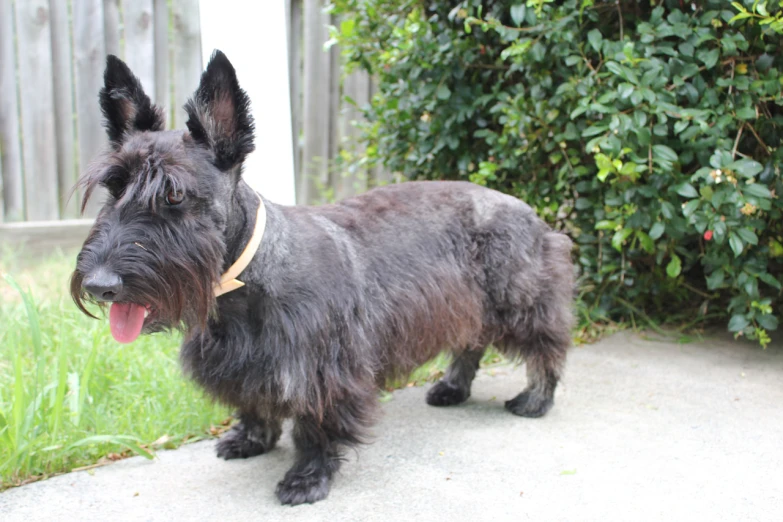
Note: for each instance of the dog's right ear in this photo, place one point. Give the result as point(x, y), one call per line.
point(124, 104)
point(219, 114)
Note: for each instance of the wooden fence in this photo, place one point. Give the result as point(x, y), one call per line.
point(322, 120)
point(52, 56)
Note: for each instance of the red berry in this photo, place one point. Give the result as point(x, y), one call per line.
point(708, 235)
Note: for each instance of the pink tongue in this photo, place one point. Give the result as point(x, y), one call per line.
point(126, 321)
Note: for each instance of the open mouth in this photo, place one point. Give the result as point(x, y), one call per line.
point(127, 320)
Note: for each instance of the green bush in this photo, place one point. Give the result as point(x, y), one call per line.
point(649, 131)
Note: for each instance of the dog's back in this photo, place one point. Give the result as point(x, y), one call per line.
point(456, 264)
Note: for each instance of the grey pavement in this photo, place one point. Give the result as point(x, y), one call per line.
point(641, 430)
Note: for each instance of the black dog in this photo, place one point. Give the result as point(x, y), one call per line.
point(335, 299)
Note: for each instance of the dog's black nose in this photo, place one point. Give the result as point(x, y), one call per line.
point(103, 284)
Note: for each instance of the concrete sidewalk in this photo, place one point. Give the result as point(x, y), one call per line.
point(641, 430)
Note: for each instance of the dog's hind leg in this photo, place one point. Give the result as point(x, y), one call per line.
point(319, 447)
point(454, 388)
point(544, 363)
point(542, 334)
point(250, 437)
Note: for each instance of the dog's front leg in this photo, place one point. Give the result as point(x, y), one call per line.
point(251, 436)
point(318, 458)
point(319, 445)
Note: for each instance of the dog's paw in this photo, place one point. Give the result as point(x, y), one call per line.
point(445, 394)
point(236, 445)
point(300, 488)
point(528, 404)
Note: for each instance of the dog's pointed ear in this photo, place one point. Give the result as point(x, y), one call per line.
point(124, 104)
point(219, 114)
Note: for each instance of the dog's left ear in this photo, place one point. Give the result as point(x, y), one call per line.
point(124, 104)
point(219, 114)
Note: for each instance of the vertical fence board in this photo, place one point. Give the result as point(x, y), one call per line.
point(315, 155)
point(187, 55)
point(379, 175)
point(63, 106)
point(295, 79)
point(111, 26)
point(89, 58)
point(10, 153)
point(140, 42)
point(162, 72)
point(2, 203)
point(39, 150)
point(356, 86)
point(335, 98)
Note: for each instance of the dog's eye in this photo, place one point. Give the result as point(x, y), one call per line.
point(115, 180)
point(174, 197)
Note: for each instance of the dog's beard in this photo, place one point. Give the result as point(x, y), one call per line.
point(172, 292)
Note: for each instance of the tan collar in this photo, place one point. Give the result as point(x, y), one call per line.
point(228, 281)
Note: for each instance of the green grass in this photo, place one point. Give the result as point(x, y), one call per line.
point(70, 395)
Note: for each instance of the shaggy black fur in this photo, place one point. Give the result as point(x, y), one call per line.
point(338, 297)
